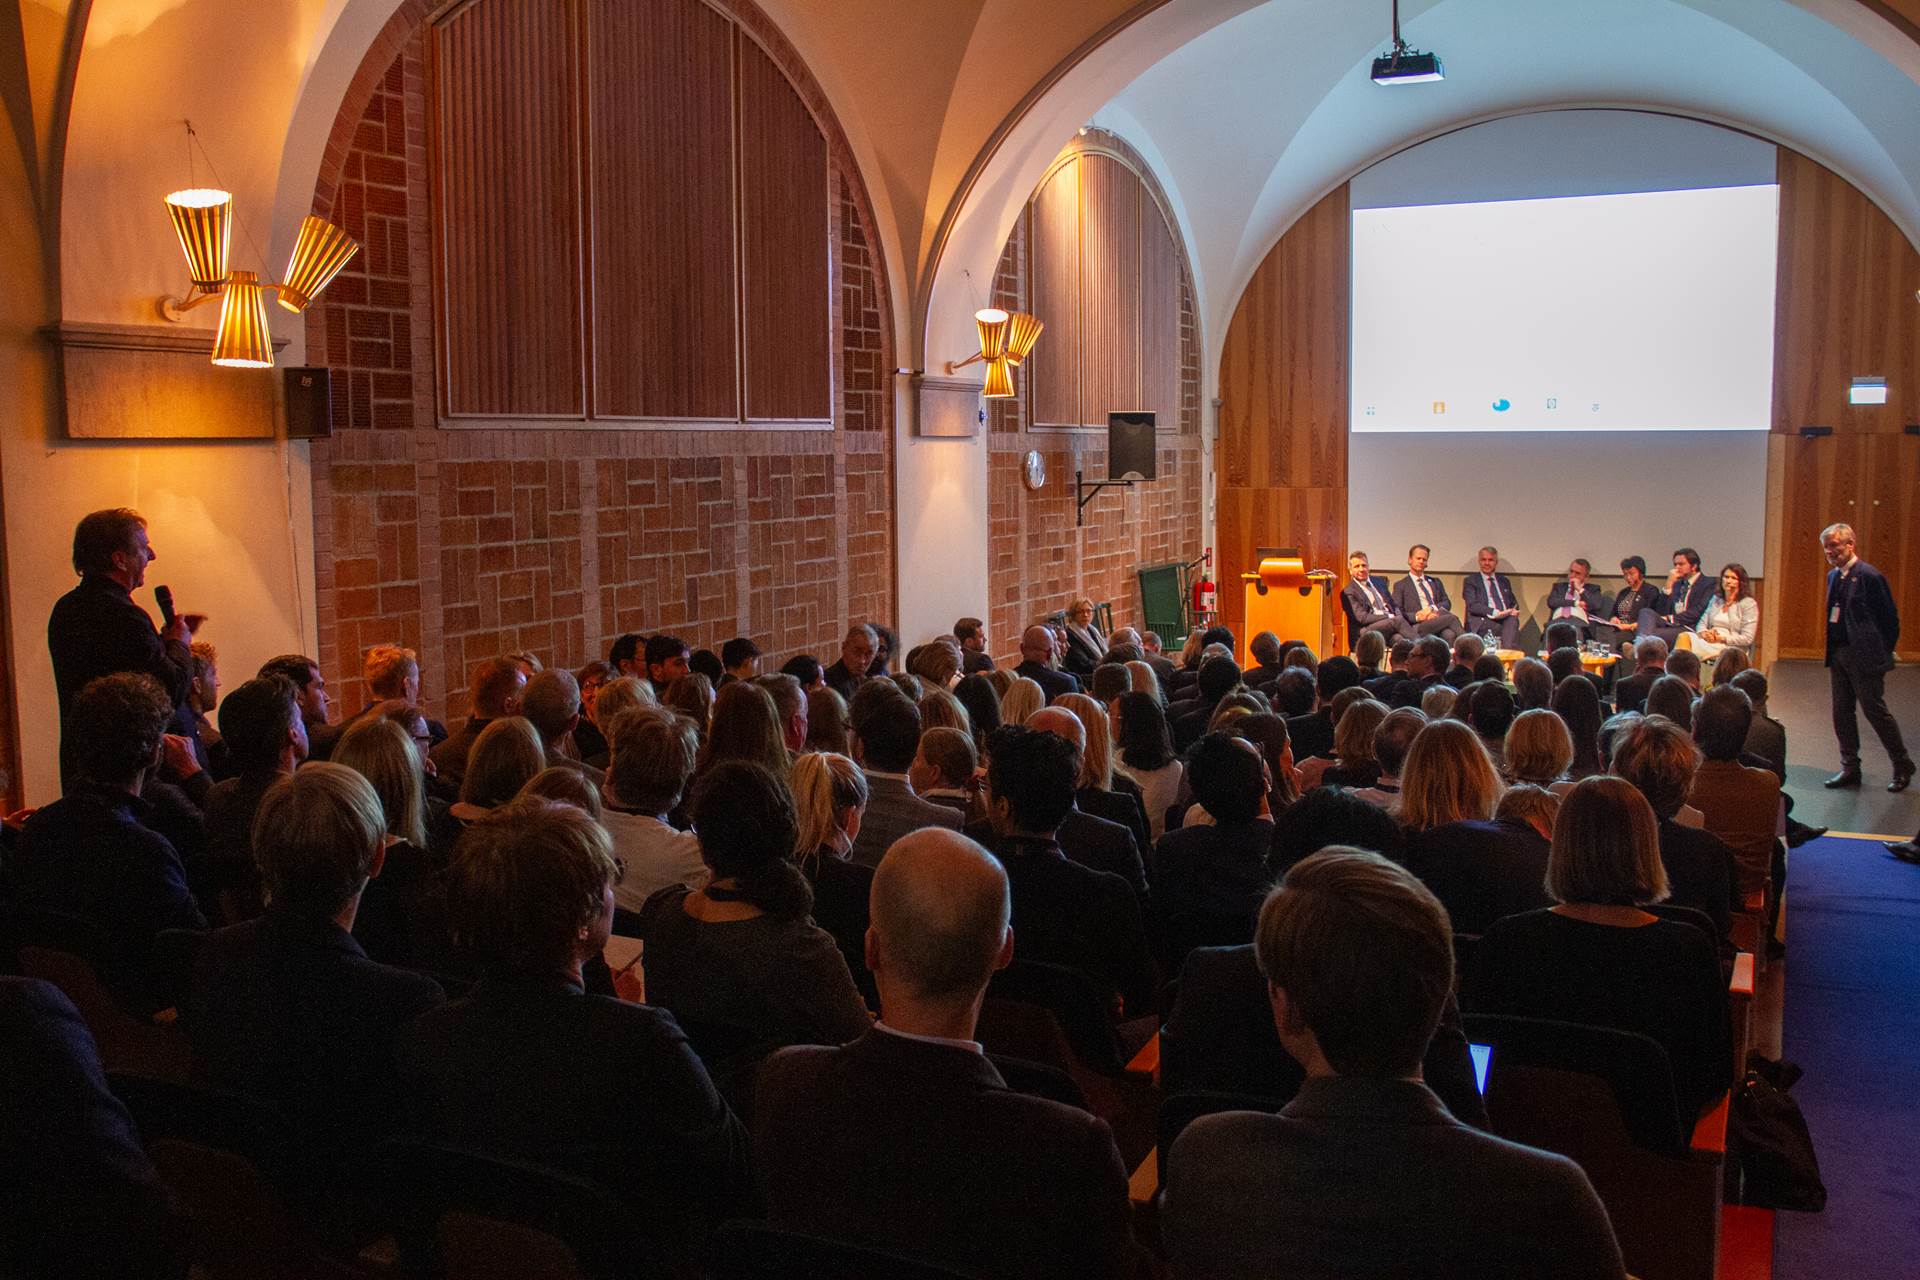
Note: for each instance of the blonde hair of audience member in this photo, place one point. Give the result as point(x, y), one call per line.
point(1729, 664)
point(1141, 678)
point(1448, 777)
point(939, 709)
point(941, 912)
point(1023, 698)
point(623, 693)
point(530, 890)
point(527, 661)
point(1370, 650)
point(1190, 651)
point(935, 663)
point(506, 754)
point(1606, 847)
point(692, 696)
point(827, 721)
point(829, 798)
point(382, 752)
point(946, 758)
point(746, 726)
point(319, 836)
point(1096, 762)
point(651, 754)
point(1353, 731)
point(1538, 748)
point(1242, 701)
point(1437, 702)
point(566, 785)
point(1525, 804)
point(389, 670)
point(1001, 679)
point(1303, 657)
point(1344, 699)
point(413, 721)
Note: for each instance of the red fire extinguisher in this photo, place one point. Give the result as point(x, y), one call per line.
point(1204, 601)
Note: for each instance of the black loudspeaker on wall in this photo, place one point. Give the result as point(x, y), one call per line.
point(309, 402)
point(1131, 454)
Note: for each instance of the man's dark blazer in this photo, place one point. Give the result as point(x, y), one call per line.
point(1473, 598)
point(1052, 683)
point(841, 680)
point(1872, 621)
point(1219, 1038)
point(1701, 872)
point(1362, 610)
point(1630, 694)
point(450, 757)
point(1124, 809)
point(1406, 597)
point(97, 629)
point(1481, 871)
point(1590, 598)
point(1211, 875)
point(1688, 601)
point(1188, 725)
point(1092, 842)
point(1068, 914)
point(1372, 1177)
point(536, 1069)
point(1081, 657)
point(921, 1148)
point(1163, 670)
point(893, 810)
point(291, 1010)
point(1312, 734)
point(1398, 689)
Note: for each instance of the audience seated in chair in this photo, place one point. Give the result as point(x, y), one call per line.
point(1209, 879)
point(551, 702)
point(266, 740)
point(653, 754)
point(1146, 756)
point(496, 689)
point(1365, 1171)
point(1097, 831)
point(402, 915)
point(1737, 803)
point(886, 737)
point(829, 801)
point(1000, 1183)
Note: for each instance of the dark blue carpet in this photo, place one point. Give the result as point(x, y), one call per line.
point(1853, 1021)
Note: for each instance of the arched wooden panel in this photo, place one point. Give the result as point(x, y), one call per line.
point(1110, 199)
point(1054, 366)
point(1159, 317)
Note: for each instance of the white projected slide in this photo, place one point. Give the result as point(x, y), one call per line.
point(1650, 311)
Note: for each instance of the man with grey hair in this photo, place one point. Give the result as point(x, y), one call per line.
point(857, 653)
point(1863, 630)
point(1649, 664)
point(790, 704)
point(916, 1103)
point(552, 703)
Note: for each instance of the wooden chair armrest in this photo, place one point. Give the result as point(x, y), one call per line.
point(1144, 1185)
point(1147, 1061)
point(1755, 902)
point(1710, 1134)
point(1741, 983)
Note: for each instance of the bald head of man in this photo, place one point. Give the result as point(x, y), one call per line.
point(1036, 645)
point(940, 909)
point(1061, 723)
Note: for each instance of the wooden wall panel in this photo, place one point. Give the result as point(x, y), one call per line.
point(509, 197)
point(1054, 365)
point(661, 113)
point(783, 201)
point(1159, 318)
point(1110, 197)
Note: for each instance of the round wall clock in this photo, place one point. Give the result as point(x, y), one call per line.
point(1035, 469)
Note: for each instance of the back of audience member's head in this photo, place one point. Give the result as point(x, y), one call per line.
point(805, 668)
point(1493, 711)
point(950, 755)
point(1728, 666)
point(1228, 778)
point(1109, 681)
point(1527, 805)
point(114, 726)
point(1359, 954)
point(1538, 748)
point(692, 696)
point(1563, 662)
point(939, 709)
point(316, 837)
point(1468, 649)
point(1346, 698)
point(528, 661)
point(1612, 729)
point(940, 909)
point(1577, 703)
point(1489, 667)
point(1353, 734)
point(297, 667)
point(1462, 709)
point(1293, 692)
point(1219, 635)
point(744, 818)
point(652, 753)
point(1671, 697)
point(622, 693)
point(1370, 650)
point(1658, 758)
point(1448, 777)
point(1268, 733)
point(388, 669)
point(1022, 699)
point(936, 664)
point(551, 701)
point(1330, 815)
point(382, 752)
point(1435, 651)
point(1145, 741)
point(1393, 738)
point(907, 683)
point(1030, 779)
point(495, 688)
point(1218, 676)
point(1437, 703)
point(1336, 673)
point(1684, 664)
point(1241, 702)
point(1533, 683)
point(826, 788)
point(827, 721)
point(1141, 678)
point(975, 693)
point(528, 888)
point(738, 652)
point(1119, 655)
point(1753, 683)
point(886, 731)
point(257, 720)
point(659, 655)
point(1298, 654)
point(1649, 652)
point(1606, 846)
point(1265, 648)
point(746, 726)
point(564, 784)
point(789, 698)
point(1720, 722)
point(1398, 653)
point(506, 754)
point(1096, 764)
point(1561, 635)
point(626, 650)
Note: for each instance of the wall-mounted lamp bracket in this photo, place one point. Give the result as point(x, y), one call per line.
point(1085, 491)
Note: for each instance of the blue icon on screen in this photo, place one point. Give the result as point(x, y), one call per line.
point(1502, 405)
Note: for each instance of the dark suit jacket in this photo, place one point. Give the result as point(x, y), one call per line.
point(1212, 873)
point(1400, 690)
point(1188, 725)
point(1081, 919)
point(1872, 621)
point(892, 811)
point(97, 629)
point(1362, 609)
point(1473, 597)
point(1052, 683)
point(1590, 598)
point(841, 680)
point(1700, 872)
point(450, 757)
point(1631, 694)
point(1372, 1177)
point(1081, 657)
point(292, 1011)
point(1104, 845)
point(535, 1069)
point(1123, 805)
point(1481, 871)
point(1688, 601)
point(1629, 601)
point(1406, 596)
point(1163, 670)
point(921, 1148)
point(1312, 734)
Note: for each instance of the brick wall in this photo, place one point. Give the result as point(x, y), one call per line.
point(464, 544)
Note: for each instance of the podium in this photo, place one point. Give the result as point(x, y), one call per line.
point(1288, 599)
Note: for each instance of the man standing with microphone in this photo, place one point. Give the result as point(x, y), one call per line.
point(1863, 628)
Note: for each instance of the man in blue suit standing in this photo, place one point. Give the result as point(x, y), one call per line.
point(1491, 604)
point(1423, 600)
point(1863, 628)
point(1685, 599)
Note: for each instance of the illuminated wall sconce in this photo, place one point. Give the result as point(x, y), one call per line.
point(1006, 339)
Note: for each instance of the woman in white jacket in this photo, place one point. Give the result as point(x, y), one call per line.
point(1731, 620)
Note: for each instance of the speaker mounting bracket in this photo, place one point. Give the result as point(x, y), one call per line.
point(1086, 490)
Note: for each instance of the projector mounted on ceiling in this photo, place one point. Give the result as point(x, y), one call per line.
point(1404, 65)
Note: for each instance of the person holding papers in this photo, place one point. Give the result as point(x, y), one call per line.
point(1576, 600)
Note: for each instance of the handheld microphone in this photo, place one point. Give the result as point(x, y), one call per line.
point(163, 596)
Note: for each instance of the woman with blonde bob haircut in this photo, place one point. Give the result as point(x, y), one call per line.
point(1448, 777)
point(940, 709)
point(382, 752)
point(1538, 748)
point(1142, 679)
point(1022, 699)
point(505, 757)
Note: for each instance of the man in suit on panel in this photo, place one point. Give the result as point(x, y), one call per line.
point(1681, 604)
point(1863, 629)
point(1424, 600)
point(1490, 602)
point(1575, 600)
point(1365, 1172)
point(1369, 603)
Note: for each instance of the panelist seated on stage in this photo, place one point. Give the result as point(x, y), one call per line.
point(1490, 602)
point(1621, 627)
point(1731, 619)
point(1575, 600)
point(1423, 601)
point(1369, 601)
point(1681, 603)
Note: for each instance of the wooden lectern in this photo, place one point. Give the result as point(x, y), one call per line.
point(1288, 599)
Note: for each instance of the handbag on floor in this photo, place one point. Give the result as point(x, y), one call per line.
point(1768, 1142)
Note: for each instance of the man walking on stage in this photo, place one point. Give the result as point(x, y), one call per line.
point(1863, 628)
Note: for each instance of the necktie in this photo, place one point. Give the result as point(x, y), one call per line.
point(1493, 594)
point(1373, 594)
point(1426, 597)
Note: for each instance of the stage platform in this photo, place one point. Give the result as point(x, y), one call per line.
point(1798, 698)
